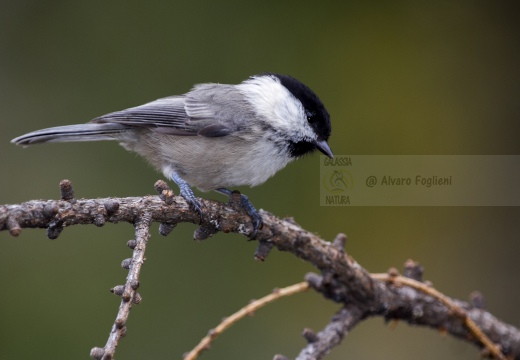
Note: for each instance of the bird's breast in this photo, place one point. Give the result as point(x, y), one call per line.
point(211, 163)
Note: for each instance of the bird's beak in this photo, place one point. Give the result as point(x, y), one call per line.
point(324, 148)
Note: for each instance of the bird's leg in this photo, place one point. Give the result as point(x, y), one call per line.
point(249, 208)
point(187, 193)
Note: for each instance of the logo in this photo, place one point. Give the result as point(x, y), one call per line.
point(337, 181)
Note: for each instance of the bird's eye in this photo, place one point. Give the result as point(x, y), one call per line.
point(309, 114)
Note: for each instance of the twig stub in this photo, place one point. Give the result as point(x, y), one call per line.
point(66, 190)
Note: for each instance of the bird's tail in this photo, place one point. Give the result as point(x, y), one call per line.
point(67, 133)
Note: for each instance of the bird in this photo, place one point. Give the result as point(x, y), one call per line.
point(215, 136)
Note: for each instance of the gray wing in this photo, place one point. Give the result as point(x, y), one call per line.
point(209, 110)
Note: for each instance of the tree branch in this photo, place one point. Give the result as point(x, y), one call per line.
point(246, 310)
point(341, 280)
point(128, 292)
point(322, 343)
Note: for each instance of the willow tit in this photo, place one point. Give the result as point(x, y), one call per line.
point(215, 136)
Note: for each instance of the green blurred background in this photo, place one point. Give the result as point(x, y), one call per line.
point(401, 77)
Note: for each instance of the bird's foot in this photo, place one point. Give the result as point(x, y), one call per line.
point(187, 194)
point(256, 219)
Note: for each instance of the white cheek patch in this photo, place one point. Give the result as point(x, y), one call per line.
point(272, 101)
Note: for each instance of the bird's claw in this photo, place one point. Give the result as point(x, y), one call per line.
point(256, 219)
point(194, 204)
